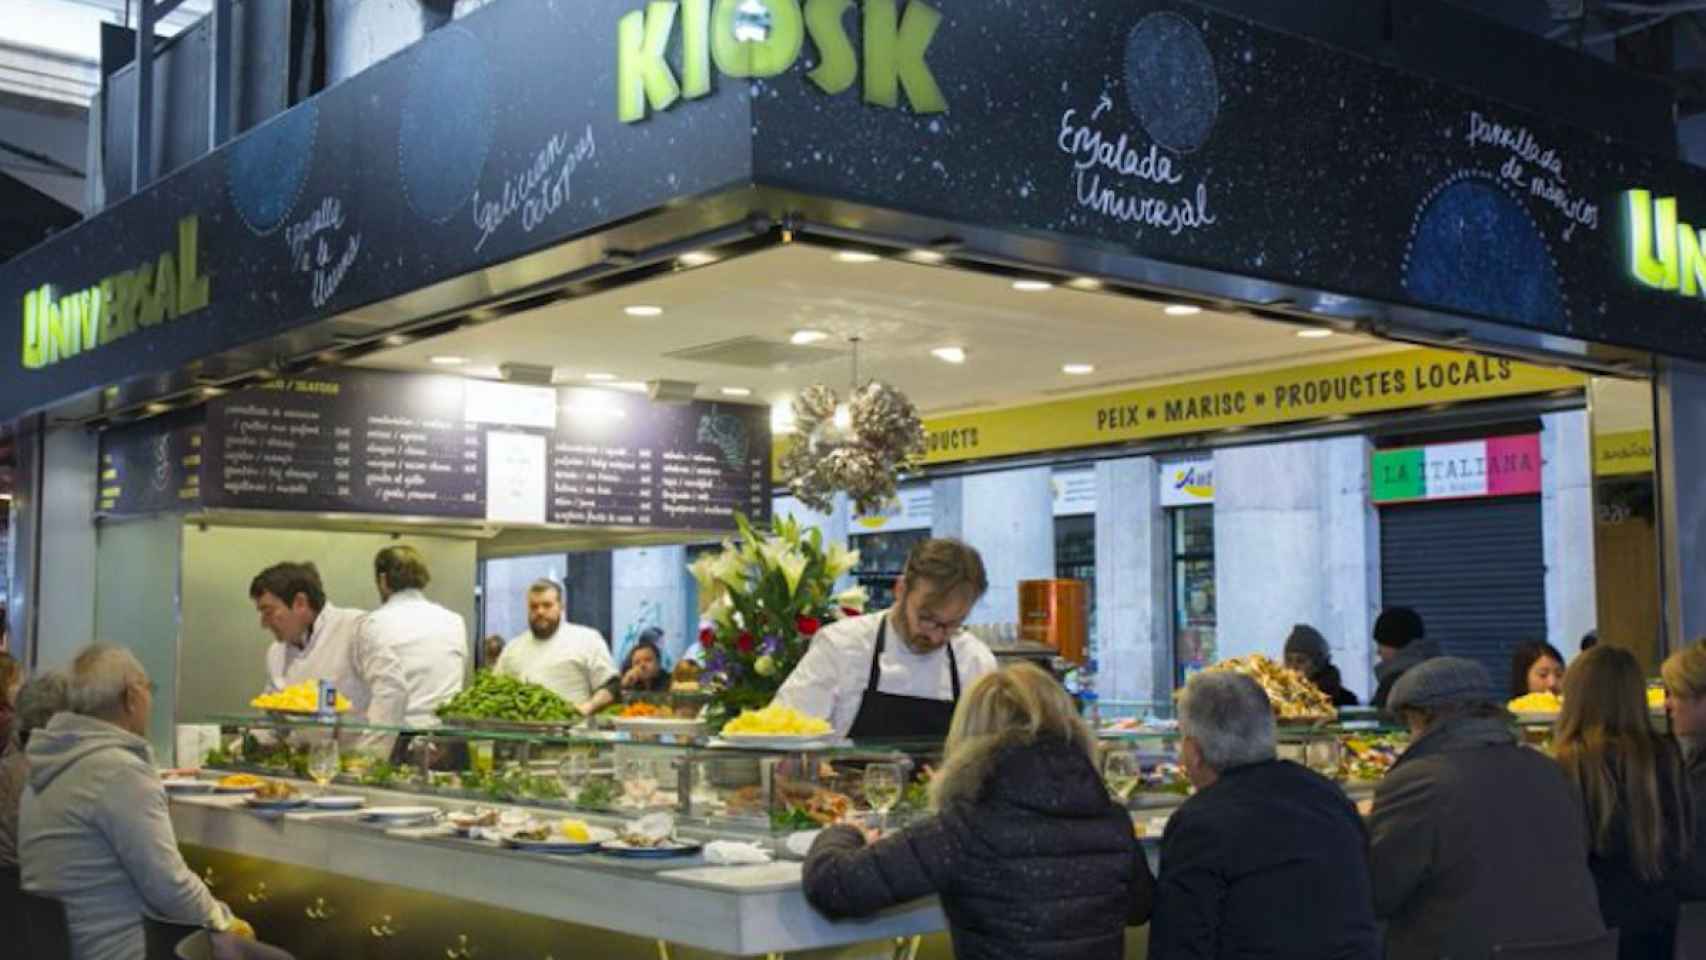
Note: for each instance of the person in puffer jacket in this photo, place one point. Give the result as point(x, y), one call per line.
point(1031, 857)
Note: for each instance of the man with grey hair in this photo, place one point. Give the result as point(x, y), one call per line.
point(1267, 858)
point(571, 661)
point(94, 831)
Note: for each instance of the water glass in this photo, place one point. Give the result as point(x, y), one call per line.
point(882, 790)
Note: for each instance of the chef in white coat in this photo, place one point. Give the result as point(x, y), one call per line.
point(430, 641)
point(899, 673)
point(571, 661)
point(314, 641)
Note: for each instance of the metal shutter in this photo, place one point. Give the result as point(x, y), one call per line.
point(1474, 569)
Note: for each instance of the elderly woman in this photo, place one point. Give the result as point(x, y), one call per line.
point(1030, 856)
point(35, 704)
point(1306, 651)
point(1268, 858)
point(1477, 840)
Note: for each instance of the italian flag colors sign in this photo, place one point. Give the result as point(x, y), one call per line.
point(1495, 467)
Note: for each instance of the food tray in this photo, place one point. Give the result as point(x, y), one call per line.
point(538, 728)
point(658, 726)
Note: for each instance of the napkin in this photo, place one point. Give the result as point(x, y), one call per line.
point(729, 853)
point(800, 843)
point(652, 826)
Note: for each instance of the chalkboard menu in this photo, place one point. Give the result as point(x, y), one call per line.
point(151, 467)
point(374, 442)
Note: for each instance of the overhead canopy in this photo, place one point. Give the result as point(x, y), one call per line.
point(1154, 143)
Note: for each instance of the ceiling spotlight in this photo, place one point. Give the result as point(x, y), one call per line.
point(641, 310)
point(156, 408)
point(601, 377)
point(856, 256)
point(1181, 310)
point(1315, 333)
point(397, 340)
point(697, 258)
point(1078, 369)
point(1032, 286)
point(804, 337)
point(928, 256)
point(736, 392)
point(949, 354)
point(632, 386)
point(450, 361)
point(843, 418)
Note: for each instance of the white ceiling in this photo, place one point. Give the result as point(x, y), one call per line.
point(1016, 342)
point(51, 49)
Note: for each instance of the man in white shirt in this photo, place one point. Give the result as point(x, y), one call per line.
point(315, 641)
point(899, 673)
point(430, 641)
point(572, 661)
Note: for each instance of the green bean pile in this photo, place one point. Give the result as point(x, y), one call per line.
point(491, 697)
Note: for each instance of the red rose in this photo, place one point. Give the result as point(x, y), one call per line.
point(745, 643)
point(808, 626)
point(707, 638)
point(850, 612)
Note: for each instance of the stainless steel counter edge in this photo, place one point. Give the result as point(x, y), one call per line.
point(739, 910)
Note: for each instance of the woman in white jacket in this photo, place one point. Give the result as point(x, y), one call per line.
point(94, 832)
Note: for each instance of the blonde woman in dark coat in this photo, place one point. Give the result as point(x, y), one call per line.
point(1030, 856)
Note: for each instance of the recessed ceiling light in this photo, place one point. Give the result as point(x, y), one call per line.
point(736, 392)
point(397, 340)
point(1315, 333)
point(632, 386)
point(856, 256)
point(1181, 310)
point(949, 354)
point(1078, 369)
point(450, 361)
point(601, 377)
point(928, 256)
point(1032, 286)
point(804, 337)
point(156, 408)
point(1086, 283)
point(697, 258)
point(642, 310)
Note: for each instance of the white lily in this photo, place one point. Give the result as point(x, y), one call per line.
point(704, 572)
point(853, 598)
point(730, 570)
point(779, 556)
point(839, 560)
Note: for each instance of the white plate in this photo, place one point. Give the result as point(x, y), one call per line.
point(675, 848)
point(1536, 717)
point(337, 803)
point(188, 786)
point(680, 726)
point(824, 741)
point(560, 844)
point(294, 803)
point(399, 814)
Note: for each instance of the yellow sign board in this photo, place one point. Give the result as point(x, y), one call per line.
point(1628, 452)
point(1377, 384)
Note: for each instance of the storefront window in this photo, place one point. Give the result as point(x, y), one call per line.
point(503, 590)
point(1193, 589)
point(882, 559)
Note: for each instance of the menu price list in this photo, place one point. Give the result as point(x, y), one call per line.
point(642, 487)
point(296, 450)
point(151, 467)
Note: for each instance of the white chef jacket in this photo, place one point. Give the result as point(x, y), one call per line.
point(368, 674)
point(431, 644)
point(572, 663)
point(831, 678)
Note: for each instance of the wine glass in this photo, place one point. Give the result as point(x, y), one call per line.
point(882, 790)
point(572, 773)
point(1121, 771)
point(639, 780)
point(323, 762)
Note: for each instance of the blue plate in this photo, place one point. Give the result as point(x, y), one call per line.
point(275, 806)
point(617, 848)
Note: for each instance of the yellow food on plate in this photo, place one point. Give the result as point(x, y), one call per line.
point(575, 830)
point(303, 697)
point(1655, 698)
point(241, 781)
point(1537, 703)
point(776, 720)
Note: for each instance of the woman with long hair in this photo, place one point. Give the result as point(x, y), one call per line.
point(1635, 793)
point(1029, 854)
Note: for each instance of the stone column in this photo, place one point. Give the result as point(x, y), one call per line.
point(1009, 517)
point(647, 589)
point(1566, 519)
point(1133, 614)
point(1681, 425)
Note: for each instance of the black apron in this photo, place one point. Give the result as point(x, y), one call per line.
point(890, 716)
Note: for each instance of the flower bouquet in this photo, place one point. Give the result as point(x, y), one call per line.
point(762, 600)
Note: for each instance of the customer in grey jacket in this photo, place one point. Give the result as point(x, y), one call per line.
point(94, 832)
point(1476, 839)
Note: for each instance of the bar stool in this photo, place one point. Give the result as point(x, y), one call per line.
point(45, 928)
point(1602, 947)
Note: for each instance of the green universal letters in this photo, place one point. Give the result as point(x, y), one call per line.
point(896, 51)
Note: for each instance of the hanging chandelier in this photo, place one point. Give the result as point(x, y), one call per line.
point(858, 448)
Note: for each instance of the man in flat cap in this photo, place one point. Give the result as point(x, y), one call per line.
point(1476, 839)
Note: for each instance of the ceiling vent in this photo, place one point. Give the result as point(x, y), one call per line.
point(757, 353)
point(537, 374)
point(671, 392)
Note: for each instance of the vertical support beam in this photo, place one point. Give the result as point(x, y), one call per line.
point(219, 87)
point(142, 141)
